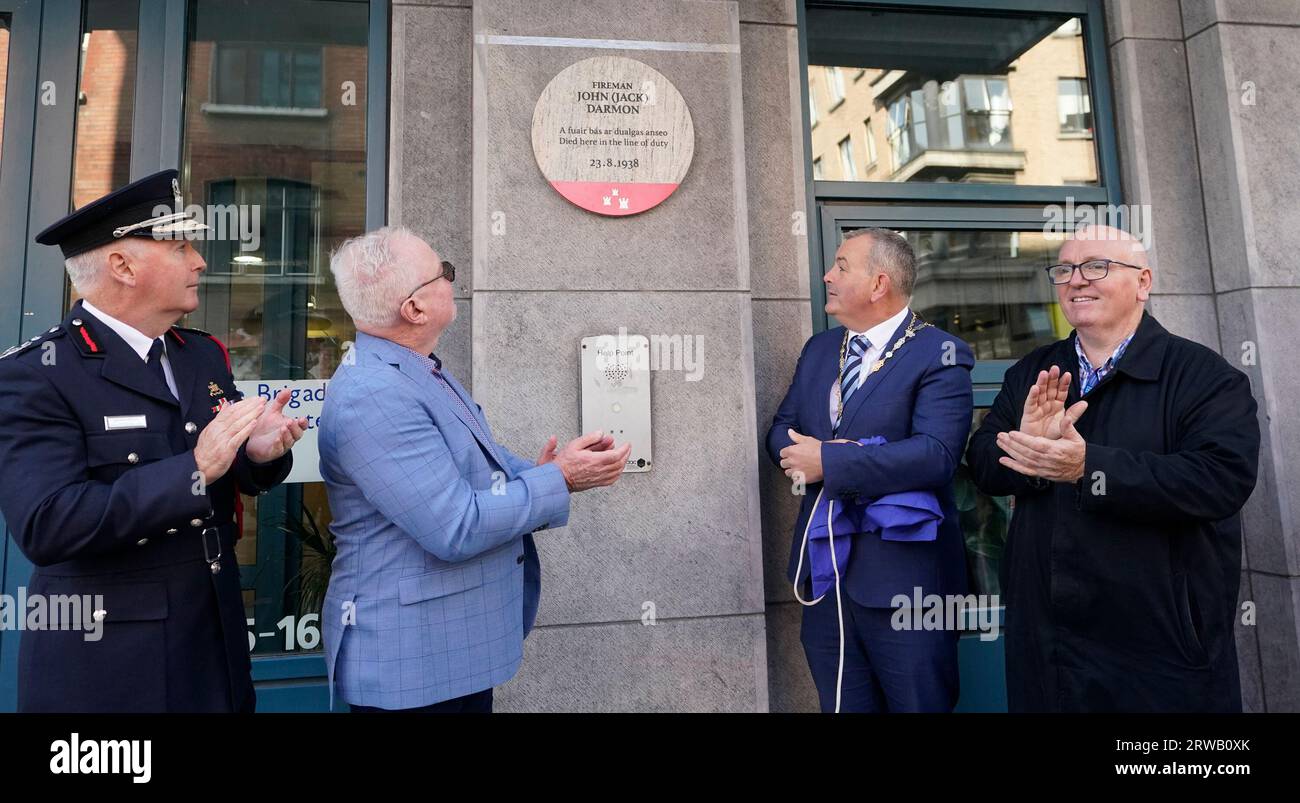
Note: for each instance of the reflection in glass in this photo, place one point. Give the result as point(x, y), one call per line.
point(1073, 106)
point(988, 288)
point(1001, 99)
point(105, 99)
point(101, 159)
point(846, 159)
point(984, 523)
point(274, 150)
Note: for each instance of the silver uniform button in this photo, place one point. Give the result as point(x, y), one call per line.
point(76, 322)
point(142, 542)
point(191, 427)
point(100, 614)
point(196, 522)
point(133, 458)
point(171, 531)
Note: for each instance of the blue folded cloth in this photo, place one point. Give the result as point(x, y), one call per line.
point(903, 516)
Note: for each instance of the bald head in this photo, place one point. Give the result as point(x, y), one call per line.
point(1104, 242)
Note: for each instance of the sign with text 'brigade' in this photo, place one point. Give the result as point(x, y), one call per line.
point(613, 135)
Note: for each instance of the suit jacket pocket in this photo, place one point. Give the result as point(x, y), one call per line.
point(1187, 620)
point(441, 583)
point(122, 667)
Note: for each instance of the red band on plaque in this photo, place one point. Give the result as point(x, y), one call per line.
point(613, 135)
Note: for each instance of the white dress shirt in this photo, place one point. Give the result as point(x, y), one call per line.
point(139, 342)
point(879, 336)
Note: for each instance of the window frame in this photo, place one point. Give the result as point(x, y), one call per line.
point(848, 165)
point(1081, 133)
point(248, 48)
point(1091, 14)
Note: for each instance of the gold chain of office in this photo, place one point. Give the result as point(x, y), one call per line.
point(913, 326)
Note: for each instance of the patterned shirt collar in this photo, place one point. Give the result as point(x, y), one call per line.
point(429, 361)
point(1089, 377)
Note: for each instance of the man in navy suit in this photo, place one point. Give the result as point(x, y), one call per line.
point(885, 374)
point(124, 444)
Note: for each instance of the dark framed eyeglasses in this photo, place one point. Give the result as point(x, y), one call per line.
point(448, 273)
point(1093, 270)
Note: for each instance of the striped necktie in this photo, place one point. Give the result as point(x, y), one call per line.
point(849, 376)
point(852, 367)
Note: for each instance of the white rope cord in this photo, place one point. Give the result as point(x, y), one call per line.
point(839, 603)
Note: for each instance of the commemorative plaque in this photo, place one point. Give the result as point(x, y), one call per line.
point(613, 135)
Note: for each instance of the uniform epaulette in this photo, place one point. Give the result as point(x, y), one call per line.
point(49, 334)
point(192, 330)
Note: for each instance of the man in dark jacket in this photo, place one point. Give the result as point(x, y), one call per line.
point(123, 446)
point(1130, 452)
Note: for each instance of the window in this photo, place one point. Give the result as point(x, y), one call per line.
point(289, 213)
point(105, 100)
point(960, 97)
point(849, 171)
point(919, 130)
point(269, 76)
point(817, 169)
point(1074, 111)
point(101, 158)
point(871, 144)
point(291, 190)
point(988, 112)
point(835, 85)
point(900, 140)
point(950, 117)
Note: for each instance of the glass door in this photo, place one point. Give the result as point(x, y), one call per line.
point(274, 152)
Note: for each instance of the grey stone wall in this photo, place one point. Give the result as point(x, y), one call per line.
point(1207, 98)
point(775, 167)
point(685, 537)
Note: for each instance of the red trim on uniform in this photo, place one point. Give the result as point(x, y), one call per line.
point(225, 352)
point(86, 337)
point(178, 337)
point(239, 500)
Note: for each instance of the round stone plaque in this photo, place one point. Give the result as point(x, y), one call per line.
point(613, 135)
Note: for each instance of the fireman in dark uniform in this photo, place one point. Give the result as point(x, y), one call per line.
point(123, 447)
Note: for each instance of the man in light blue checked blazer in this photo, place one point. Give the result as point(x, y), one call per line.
point(436, 581)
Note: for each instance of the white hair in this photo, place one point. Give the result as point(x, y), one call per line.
point(86, 268)
point(371, 281)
